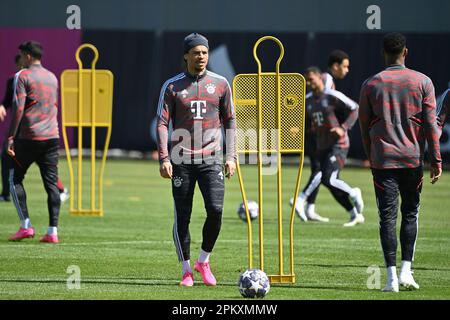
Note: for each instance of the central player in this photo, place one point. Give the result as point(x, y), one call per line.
point(199, 104)
point(331, 114)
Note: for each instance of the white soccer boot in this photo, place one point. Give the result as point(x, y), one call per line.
point(357, 199)
point(356, 219)
point(406, 280)
point(300, 208)
point(312, 215)
point(391, 286)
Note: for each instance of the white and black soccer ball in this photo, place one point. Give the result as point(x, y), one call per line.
point(254, 283)
point(253, 210)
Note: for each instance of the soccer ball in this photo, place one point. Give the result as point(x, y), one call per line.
point(253, 210)
point(254, 283)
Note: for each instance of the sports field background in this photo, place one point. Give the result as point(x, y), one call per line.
point(129, 254)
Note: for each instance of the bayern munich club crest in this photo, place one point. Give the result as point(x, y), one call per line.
point(210, 88)
point(177, 181)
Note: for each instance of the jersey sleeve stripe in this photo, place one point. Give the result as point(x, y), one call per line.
point(339, 95)
point(163, 90)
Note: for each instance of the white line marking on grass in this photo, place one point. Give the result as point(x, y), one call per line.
point(26, 243)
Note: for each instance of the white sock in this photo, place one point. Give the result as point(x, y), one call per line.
point(392, 273)
point(25, 224)
point(310, 208)
point(52, 230)
point(301, 197)
point(186, 266)
point(406, 267)
point(352, 193)
point(204, 256)
point(353, 212)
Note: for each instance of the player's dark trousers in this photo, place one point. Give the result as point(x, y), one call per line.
point(312, 187)
point(210, 180)
point(332, 160)
point(6, 166)
point(389, 183)
point(45, 154)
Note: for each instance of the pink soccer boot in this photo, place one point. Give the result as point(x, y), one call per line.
point(205, 271)
point(50, 238)
point(188, 280)
point(22, 234)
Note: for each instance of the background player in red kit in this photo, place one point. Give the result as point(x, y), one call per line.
point(33, 137)
point(331, 114)
point(397, 115)
point(338, 67)
point(199, 104)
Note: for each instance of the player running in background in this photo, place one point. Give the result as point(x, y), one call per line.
point(199, 103)
point(33, 137)
point(338, 67)
point(331, 114)
point(397, 115)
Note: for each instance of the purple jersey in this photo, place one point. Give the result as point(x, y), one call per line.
point(198, 106)
point(35, 105)
point(330, 109)
point(397, 115)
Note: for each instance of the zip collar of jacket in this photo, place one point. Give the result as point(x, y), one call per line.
point(196, 77)
point(395, 66)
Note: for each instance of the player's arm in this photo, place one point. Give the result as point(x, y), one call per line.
point(348, 106)
point(444, 109)
point(7, 99)
point(165, 107)
point(432, 132)
point(228, 118)
point(365, 118)
point(18, 106)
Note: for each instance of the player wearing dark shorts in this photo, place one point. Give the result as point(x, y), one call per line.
point(397, 116)
point(33, 137)
point(331, 114)
point(198, 102)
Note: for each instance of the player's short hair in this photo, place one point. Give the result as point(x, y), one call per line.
point(17, 58)
point(337, 56)
point(33, 48)
point(394, 43)
point(313, 69)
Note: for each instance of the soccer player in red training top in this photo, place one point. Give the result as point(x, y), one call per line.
point(331, 115)
point(33, 137)
point(199, 103)
point(338, 67)
point(397, 115)
point(6, 159)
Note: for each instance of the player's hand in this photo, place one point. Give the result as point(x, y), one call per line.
point(10, 147)
point(338, 132)
point(2, 113)
point(165, 169)
point(230, 168)
point(435, 174)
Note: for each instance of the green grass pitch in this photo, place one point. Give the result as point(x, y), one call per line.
point(129, 254)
